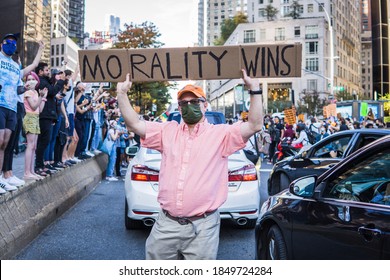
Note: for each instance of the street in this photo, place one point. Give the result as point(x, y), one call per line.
point(94, 230)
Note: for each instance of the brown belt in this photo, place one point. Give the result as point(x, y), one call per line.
point(187, 220)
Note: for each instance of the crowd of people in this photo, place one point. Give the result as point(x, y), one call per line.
point(302, 133)
point(62, 121)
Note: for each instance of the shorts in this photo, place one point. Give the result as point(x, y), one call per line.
point(71, 124)
point(31, 123)
point(8, 119)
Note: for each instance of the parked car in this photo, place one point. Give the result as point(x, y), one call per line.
point(320, 157)
point(342, 214)
point(141, 186)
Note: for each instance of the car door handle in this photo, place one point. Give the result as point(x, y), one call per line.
point(369, 232)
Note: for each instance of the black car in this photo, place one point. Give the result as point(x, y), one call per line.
point(342, 214)
point(320, 157)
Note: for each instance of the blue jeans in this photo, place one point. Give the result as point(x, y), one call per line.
point(49, 151)
point(111, 162)
point(97, 136)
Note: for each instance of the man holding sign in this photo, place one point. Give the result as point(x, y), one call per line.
point(193, 177)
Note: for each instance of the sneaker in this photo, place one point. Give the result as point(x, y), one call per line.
point(50, 167)
point(96, 152)
point(58, 166)
point(89, 154)
point(7, 187)
point(112, 179)
point(75, 159)
point(84, 156)
point(70, 161)
point(14, 181)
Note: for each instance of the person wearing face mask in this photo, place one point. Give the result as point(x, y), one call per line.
point(193, 179)
point(10, 78)
point(113, 135)
point(323, 133)
point(33, 103)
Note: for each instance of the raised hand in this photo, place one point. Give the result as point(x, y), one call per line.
point(123, 87)
point(251, 83)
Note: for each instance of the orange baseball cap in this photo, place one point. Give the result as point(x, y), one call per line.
point(198, 91)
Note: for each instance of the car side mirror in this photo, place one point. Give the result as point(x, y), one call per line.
point(304, 186)
point(131, 151)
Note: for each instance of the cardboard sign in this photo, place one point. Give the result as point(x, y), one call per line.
point(201, 63)
point(290, 116)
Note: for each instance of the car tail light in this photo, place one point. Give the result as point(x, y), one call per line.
point(246, 173)
point(144, 173)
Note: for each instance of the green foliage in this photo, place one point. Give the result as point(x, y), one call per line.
point(343, 95)
point(228, 26)
point(144, 35)
point(295, 10)
point(271, 12)
point(385, 96)
point(311, 103)
point(144, 94)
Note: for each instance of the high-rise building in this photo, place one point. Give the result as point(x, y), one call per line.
point(60, 18)
point(366, 53)
point(112, 24)
point(380, 46)
point(217, 12)
point(31, 19)
point(76, 21)
point(201, 31)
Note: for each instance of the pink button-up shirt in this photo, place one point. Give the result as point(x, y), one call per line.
point(194, 167)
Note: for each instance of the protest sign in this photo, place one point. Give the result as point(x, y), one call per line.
point(198, 63)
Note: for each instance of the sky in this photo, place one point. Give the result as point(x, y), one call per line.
point(175, 19)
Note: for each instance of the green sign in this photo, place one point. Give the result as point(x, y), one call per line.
point(363, 109)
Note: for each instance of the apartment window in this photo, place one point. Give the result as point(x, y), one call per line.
point(285, 1)
point(297, 31)
point(312, 64)
point(270, 1)
point(249, 36)
point(261, 1)
point(321, 7)
point(52, 50)
point(62, 49)
point(311, 47)
point(310, 8)
point(52, 61)
point(280, 34)
point(262, 34)
point(262, 13)
point(312, 85)
point(311, 31)
point(57, 61)
point(57, 49)
point(285, 10)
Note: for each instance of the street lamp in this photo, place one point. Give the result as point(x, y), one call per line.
point(331, 47)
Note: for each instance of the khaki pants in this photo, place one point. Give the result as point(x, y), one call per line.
point(169, 240)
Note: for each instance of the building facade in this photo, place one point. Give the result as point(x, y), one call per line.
point(366, 54)
point(76, 21)
point(60, 18)
point(64, 49)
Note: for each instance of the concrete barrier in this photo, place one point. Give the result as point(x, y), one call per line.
point(25, 213)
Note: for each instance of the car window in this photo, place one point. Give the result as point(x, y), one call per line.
point(334, 148)
point(365, 140)
point(367, 181)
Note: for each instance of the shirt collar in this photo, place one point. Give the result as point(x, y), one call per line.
point(199, 127)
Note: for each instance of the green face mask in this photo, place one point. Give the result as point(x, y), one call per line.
point(191, 114)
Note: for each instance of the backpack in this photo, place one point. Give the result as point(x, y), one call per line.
point(310, 135)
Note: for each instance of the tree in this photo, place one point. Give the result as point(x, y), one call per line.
point(144, 94)
point(311, 103)
point(271, 12)
point(228, 26)
point(295, 9)
point(344, 95)
point(144, 35)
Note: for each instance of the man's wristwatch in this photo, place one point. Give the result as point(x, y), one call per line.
point(255, 91)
